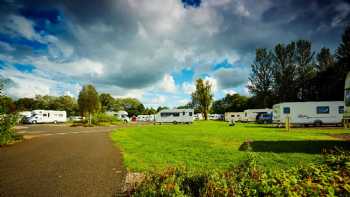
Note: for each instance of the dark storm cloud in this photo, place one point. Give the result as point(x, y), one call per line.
point(137, 42)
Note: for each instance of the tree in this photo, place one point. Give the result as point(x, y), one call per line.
point(261, 79)
point(88, 101)
point(284, 72)
point(231, 103)
point(6, 105)
point(106, 102)
point(324, 59)
point(25, 104)
point(160, 108)
point(202, 97)
point(305, 69)
point(343, 52)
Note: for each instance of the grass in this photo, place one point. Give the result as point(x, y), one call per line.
point(207, 145)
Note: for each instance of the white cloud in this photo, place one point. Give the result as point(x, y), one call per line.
point(187, 87)
point(213, 82)
point(168, 84)
point(6, 46)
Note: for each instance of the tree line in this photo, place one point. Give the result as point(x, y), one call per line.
point(89, 98)
point(293, 72)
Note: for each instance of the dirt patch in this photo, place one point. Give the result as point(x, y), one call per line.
point(343, 136)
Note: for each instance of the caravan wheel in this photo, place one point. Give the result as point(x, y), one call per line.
point(174, 122)
point(55, 122)
point(318, 123)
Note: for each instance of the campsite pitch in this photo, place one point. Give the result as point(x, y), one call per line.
point(215, 145)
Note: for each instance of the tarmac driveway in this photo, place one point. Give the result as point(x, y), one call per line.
point(61, 161)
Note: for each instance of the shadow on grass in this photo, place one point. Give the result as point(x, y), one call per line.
point(311, 147)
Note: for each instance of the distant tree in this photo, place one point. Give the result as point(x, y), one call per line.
point(6, 105)
point(88, 101)
point(107, 102)
point(68, 104)
point(231, 103)
point(325, 59)
point(284, 72)
point(261, 77)
point(305, 69)
point(343, 52)
point(203, 97)
point(149, 111)
point(25, 104)
point(160, 108)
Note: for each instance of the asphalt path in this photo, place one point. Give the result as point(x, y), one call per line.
point(58, 160)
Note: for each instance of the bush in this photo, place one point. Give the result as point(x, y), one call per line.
point(330, 178)
point(7, 134)
point(99, 119)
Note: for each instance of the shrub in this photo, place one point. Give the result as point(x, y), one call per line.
point(7, 122)
point(330, 178)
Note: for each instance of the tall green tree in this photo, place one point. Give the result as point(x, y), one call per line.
point(343, 52)
point(231, 103)
point(106, 102)
point(324, 59)
point(203, 97)
point(305, 69)
point(284, 72)
point(88, 101)
point(261, 77)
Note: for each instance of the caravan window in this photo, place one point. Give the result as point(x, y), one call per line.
point(322, 109)
point(232, 115)
point(286, 110)
point(183, 113)
point(190, 113)
point(166, 114)
point(44, 115)
point(347, 97)
point(341, 109)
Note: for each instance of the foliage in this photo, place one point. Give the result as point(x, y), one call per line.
point(325, 59)
point(160, 108)
point(102, 118)
point(232, 103)
point(106, 102)
point(88, 101)
point(203, 97)
point(6, 105)
point(206, 145)
point(329, 178)
point(7, 122)
point(261, 79)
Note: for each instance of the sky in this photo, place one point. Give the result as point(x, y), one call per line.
point(152, 50)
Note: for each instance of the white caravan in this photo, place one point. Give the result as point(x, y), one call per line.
point(309, 113)
point(197, 116)
point(175, 116)
point(145, 118)
point(47, 116)
point(215, 116)
point(121, 115)
point(250, 114)
point(234, 116)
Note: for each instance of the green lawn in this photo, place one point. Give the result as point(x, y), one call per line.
point(215, 145)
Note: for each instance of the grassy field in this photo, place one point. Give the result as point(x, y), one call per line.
point(215, 145)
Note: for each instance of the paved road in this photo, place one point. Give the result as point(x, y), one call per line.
point(61, 161)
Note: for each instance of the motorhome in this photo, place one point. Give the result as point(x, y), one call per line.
point(145, 118)
point(251, 114)
point(175, 116)
point(215, 116)
point(234, 116)
point(309, 113)
point(198, 116)
point(47, 116)
point(121, 115)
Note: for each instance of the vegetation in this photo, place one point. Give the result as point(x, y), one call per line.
point(7, 121)
point(329, 178)
point(232, 103)
point(88, 101)
point(208, 145)
point(293, 72)
point(202, 97)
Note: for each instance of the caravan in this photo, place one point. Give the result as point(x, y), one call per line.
point(175, 116)
point(309, 113)
point(46, 116)
point(250, 115)
point(234, 116)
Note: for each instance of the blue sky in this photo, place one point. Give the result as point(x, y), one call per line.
point(152, 50)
